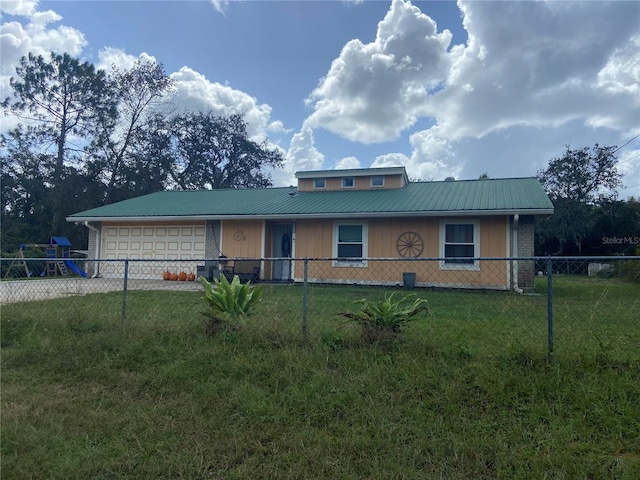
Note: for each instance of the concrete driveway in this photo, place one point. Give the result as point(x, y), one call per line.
point(43, 289)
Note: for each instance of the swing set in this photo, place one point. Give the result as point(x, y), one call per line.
point(58, 253)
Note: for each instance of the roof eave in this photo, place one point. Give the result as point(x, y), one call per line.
point(300, 216)
point(352, 172)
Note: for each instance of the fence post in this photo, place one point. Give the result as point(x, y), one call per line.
point(305, 289)
point(550, 304)
point(124, 289)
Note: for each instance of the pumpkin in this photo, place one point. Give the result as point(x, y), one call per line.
point(173, 277)
point(191, 277)
point(182, 276)
point(166, 275)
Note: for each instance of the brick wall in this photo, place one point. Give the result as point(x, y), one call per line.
point(526, 249)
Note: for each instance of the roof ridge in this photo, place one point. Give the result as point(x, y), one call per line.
point(473, 180)
point(226, 189)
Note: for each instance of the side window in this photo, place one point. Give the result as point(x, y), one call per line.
point(459, 245)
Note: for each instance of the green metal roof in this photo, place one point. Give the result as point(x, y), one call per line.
point(462, 197)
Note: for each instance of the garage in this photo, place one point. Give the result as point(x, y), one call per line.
point(158, 241)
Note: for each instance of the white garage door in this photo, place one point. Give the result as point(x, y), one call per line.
point(151, 242)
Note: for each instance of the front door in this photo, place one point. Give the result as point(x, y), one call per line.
point(282, 249)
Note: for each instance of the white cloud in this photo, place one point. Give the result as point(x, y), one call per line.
point(19, 7)
point(534, 64)
point(532, 77)
point(373, 91)
point(433, 156)
point(629, 166)
point(621, 74)
point(346, 163)
point(194, 92)
point(110, 56)
point(302, 153)
point(278, 127)
point(35, 35)
point(391, 160)
point(220, 6)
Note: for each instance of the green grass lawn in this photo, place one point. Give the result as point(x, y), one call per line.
point(468, 392)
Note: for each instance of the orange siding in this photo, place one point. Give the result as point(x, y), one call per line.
point(242, 238)
point(384, 233)
point(493, 237)
point(390, 182)
point(361, 183)
point(305, 184)
point(335, 184)
point(314, 239)
point(393, 181)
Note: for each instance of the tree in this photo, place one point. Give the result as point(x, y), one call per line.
point(86, 138)
point(148, 162)
point(565, 231)
point(582, 175)
point(63, 102)
point(576, 182)
point(615, 228)
point(142, 96)
point(25, 193)
point(212, 152)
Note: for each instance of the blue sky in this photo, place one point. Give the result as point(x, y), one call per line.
point(444, 88)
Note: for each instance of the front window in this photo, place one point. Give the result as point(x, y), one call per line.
point(319, 183)
point(347, 182)
point(377, 181)
point(459, 245)
point(350, 243)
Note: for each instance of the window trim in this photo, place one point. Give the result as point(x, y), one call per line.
point(324, 183)
point(365, 247)
point(475, 266)
point(353, 182)
point(377, 176)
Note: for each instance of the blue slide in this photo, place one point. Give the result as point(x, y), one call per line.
point(75, 268)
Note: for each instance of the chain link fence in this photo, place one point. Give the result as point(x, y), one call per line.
point(531, 293)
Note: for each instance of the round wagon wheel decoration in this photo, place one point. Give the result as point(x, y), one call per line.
point(409, 244)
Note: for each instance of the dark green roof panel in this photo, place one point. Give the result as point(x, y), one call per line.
point(514, 194)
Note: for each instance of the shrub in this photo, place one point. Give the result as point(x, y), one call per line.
point(385, 319)
point(630, 269)
point(333, 340)
point(228, 303)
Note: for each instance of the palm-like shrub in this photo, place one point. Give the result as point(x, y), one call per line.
point(385, 319)
point(228, 303)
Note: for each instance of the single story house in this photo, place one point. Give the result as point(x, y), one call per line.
point(342, 216)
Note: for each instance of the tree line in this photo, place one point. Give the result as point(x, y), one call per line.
point(588, 217)
point(86, 137)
